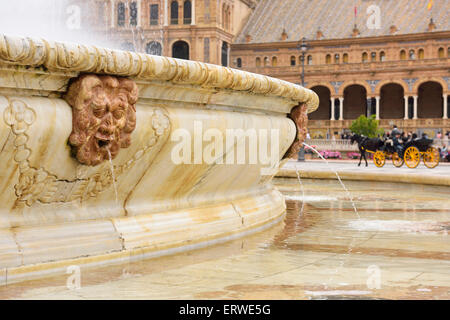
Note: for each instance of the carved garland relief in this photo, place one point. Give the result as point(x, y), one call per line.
point(89, 141)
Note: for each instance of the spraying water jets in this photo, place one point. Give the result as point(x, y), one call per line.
point(337, 175)
point(78, 22)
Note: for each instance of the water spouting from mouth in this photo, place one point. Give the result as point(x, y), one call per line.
point(352, 244)
point(301, 188)
point(339, 179)
point(112, 174)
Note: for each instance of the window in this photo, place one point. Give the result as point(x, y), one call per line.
point(133, 14)
point(274, 61)
point(180, 50)
point(373, 56)
point(154, 48)
point(226, 17)
point(382, 56)
point(365, 57)
point(412, 55)
point(421, 54)
point(345, 58)
point(206, 50)
point(293, 61)
point(225, 54)
point(207, 11)
point(121, 14)
point(258, 62)
point(187, 12)
point(239, 62)
point(224, 12)
point(336, 58)
point(403, 55)
point(441, 53)
point(309, 60)
point(328, 59)
point(174, 12)
point(266, 61)
point(154, 14)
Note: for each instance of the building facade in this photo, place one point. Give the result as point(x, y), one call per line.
point(388, 58)
point(201, 30)
point(400, 72)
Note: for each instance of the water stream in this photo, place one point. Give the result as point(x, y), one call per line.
point(339, 178)
point(352, 243)
point(112, 174)
point(301, 188)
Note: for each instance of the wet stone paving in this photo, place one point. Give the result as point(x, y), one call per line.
point(395, 247)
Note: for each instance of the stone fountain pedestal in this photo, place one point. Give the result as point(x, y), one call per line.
point(63, 106)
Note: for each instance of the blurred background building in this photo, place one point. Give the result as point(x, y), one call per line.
point(388, 58)
point(201, 30)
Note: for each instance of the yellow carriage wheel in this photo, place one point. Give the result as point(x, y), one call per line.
point(379, 159)
point(412, 157)
point(431, 157)
point(396, 160)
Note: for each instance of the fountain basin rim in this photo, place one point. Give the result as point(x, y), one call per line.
point(69, 57)
point(366, 176)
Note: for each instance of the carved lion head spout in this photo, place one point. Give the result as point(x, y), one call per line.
point(103, 116)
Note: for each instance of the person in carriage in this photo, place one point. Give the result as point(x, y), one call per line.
point(394, 131)
point(388, 143)
point(398, 143)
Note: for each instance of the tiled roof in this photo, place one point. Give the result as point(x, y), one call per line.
point(336, 18)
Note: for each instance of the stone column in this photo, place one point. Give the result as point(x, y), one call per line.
point(369, 107)
point(332, 109)
point(415, 107)
point(231, 19)
point(139, 13)
point(377, 108)
point(166, 12)
point(406, 108)
point(445, 111)
point(341, 108)
point(193, 12)
point(113, 13)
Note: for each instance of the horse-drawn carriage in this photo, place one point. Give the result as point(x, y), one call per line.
point(410, 154)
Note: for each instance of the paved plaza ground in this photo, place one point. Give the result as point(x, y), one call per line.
point(443, 169)
point(349, 170)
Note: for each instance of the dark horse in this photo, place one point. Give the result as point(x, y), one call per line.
point(365, 143)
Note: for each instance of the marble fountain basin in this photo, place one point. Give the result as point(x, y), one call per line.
point(87, 168)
